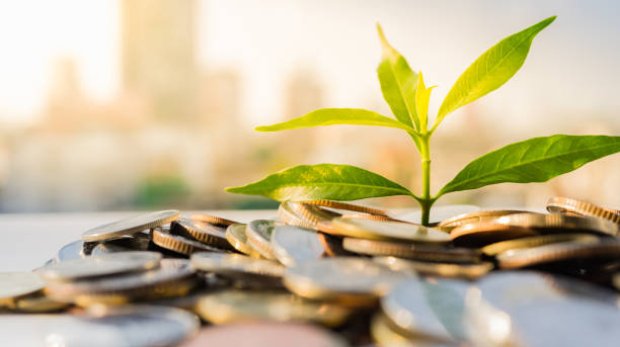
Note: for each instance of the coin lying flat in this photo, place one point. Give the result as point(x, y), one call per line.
point(428, 308)
point(208, 234)
point(232, 306)
point(526, 308)
point(557, 252)
point(411, 251)
point(235, 264)
point(476, 235)
point(130, 226)
point(474, 217)
point(37, 304)
point(213, 220)
point(437, 215)
point(137, 242)
point(174, 277)
point(294, 245)
point(237, 237)
point(581, 208)
point(348, 279)
point(535, 241)
point(73, 250)
point(448, 270)
point(382, 230)
point(303, 215)
point(259, 233)
point(17, 284)
point(272, 334)
point(97, 266)
point(339, 205)
point(180, 244)
point(559, 223)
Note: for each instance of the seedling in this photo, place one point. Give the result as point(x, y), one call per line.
point(535, 160)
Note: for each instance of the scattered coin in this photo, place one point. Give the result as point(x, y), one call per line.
point(346, 279)
point(14, 285)
point(208, 234)
point(130, 226)
point(228, 306)
point(294, 245)
point(438, 213)
point(473, 218)
point(581, 208)
point(303, 215)
point(213, 220)
point(535, 241)
point(98, 266)
point(412, 251)
point(339, 205)
point(38, 303)
point(74, 250)
point(448, 270)
point(237, 237)
point(236, 265)
point(180, 244)
point(559, 223)
point(258, 233)
point(386, 335)
point(381, 230)
point(137, 242)
point(476, 235)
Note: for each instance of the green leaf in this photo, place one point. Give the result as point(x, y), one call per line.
point(337, 116)
point(398, 83)
point(535, 160)
point(422, 98)
point(323, 181)
point(491, 70)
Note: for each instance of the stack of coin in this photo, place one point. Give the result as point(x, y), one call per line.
point(330, 273)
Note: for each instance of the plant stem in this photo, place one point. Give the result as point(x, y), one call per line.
point(426, 201)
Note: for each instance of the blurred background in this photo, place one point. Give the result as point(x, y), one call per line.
point(141, 104)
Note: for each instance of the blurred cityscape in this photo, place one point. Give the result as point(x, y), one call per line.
point(176, 134)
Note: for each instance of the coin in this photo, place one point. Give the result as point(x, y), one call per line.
point(431, 308)
point(206, 233)
point(294, 245)
point(534, 241)
point(73, 250)
point(180, 244)
point(616, 281)
point(382, 230)
point(258, 233)
point(339, 205)
point(236, 264)
point(272, 334)
point(347, 279)
point(17, 284)
point(237, 237)
point(449, 270)
point(476, 235)
point(411, 251)
point(37, 304)
point(213, 220)
point(175, 277)
point(437, 214)
point(137, 242)
point(97, 266)
point(303, 215)
point(232, 306)
point(474, 217)
point(130, 226)
point(386, 336)
point(581, 208)
point(527, 308)
point(559, 223)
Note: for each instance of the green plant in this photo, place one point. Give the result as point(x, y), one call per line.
point(534, 160)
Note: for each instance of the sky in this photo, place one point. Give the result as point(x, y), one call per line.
point(572, 68)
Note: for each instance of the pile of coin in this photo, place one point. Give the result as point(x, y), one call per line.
point(327, 273)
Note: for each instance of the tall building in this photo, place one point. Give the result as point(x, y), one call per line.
point(159, 56)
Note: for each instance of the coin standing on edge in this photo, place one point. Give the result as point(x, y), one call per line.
point(237, 237)
point(258, 234)
point(581, 208)
point(130, 226)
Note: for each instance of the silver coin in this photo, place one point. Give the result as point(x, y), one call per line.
point(438, 213)
point(387, 230)
point(125, 244)
point(70, 251)
point(235, 264)
point(534, 309)
point(131, 326)
point(258, 234)
point(294, 245)
point(130, 226)
point(16, 284)
point(433, 308)
point(104, 265)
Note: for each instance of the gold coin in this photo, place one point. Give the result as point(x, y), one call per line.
point(130, 226)
point(581, 208)
point(333, 245)
point(303, 215)
point(473, 217)
point(348, 280)
point(236, 264)
point(383, 333)
point(339, 205)
point(559, 223)
point(535, 241)
point(205, 233)
point(382, 230)
point(173, 278)
point(616, 281)
point(233, 306)
point(14, 285)
point(437, 214)
point(180, 244)
point(475, 235)
point(450, 270)
point(411, 251)
point(213, 220)
point(557, 252)
point(38, 304)
point(237, 237)
point(258, 233)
